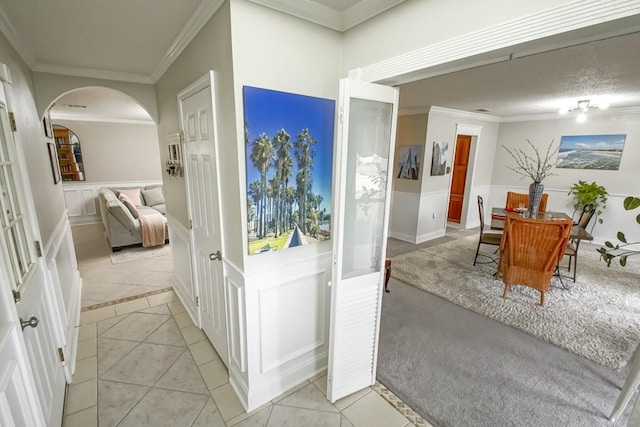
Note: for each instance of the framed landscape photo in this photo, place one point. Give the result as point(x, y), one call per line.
point(602, 152)
point(289, 169)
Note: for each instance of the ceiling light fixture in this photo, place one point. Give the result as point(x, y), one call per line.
point(584, 106)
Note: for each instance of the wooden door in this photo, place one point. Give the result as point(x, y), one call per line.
point(458, 181)
point(201, 162)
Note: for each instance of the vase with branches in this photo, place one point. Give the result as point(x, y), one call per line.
point(535, 166)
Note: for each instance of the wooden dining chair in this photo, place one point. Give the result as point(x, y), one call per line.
point(514, 200)
point(485, 238)
point(530, 252)
point(572, 247)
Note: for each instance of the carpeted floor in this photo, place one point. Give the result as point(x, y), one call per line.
point(598, 317)
point(457, 368)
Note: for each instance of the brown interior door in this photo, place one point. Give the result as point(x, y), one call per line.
point(460, 164)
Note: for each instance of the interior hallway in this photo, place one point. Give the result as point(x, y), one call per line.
point(142, 362)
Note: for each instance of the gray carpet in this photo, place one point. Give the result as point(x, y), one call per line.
point(457, 368)
point(598, 317)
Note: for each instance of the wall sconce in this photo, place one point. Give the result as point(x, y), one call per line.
point(583, 107)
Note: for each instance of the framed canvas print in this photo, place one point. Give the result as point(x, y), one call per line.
point(439, 158)
point(409, 158)
point(591, 151)
point(289, 167)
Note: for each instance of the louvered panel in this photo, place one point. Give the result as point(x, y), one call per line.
point(356, 312)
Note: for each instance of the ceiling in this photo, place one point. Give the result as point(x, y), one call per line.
point(137, 42)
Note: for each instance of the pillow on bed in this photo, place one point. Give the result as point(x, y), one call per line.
point(127, 202)
point(133, 194)
point(153, 196)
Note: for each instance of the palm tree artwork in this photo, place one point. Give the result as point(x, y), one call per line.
point(289, 161)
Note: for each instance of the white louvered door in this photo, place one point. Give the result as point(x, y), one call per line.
point(364, 159)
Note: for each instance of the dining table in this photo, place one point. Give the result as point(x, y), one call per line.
point(498, 216)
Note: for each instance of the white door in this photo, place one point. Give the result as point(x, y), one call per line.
point(24, 273)
point(201, 170)
point(19, 403)
point(366, 137)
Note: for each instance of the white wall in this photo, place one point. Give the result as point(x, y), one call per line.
point(117, 152)
point(286, 292)
point(619, 184)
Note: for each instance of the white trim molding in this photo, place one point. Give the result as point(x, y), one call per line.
point(495, 43)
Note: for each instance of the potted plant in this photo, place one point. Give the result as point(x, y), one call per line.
point(624, 249)
point(585, 193)
point(536, 167)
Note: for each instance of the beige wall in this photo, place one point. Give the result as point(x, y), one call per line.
point(276, 51)
point(48, 198)
point(412, 130)
point(117, 152)
point(209, 50)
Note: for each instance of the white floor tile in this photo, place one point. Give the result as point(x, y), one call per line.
point(227, 402)
point(82, 396)
point(85, 418)
point(373, 411)
point(97, 314)
point(86, 369)
point(131, 306)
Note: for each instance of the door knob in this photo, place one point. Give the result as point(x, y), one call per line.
point(217, 255)
point(33, 322)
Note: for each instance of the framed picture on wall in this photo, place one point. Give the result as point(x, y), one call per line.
point(53, 159)
point(46, 124)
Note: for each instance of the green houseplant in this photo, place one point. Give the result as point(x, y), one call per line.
point(585, 193)
point(624, 249)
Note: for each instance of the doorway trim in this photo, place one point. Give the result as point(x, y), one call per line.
point(474, 131)
point(488, 46)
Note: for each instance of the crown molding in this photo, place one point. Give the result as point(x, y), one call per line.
point(101, 119)
point(571, 16)
point(91, 73)
point(15, 40)
point(200, 17)
point(571, 116)
point(364, 10)
point(307, 10)
point(413, 111)
point(464, 114)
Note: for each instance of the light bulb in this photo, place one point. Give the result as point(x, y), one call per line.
point(582, 117)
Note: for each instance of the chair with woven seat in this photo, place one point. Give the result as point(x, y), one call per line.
point(514, 200)
point(530, 252)
point(572, 247)
point(485, 238)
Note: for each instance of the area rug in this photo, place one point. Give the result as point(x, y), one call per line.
point(598, 317)
point(138, 253)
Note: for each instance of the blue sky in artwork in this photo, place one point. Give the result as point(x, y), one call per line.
point(268, 111)
point(592, 142)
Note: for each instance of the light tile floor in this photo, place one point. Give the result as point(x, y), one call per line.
point(144, 368)
point(143, 362)
point(103, 281)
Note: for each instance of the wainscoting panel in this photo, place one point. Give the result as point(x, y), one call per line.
point(82, 198)
point(432, 218)
point(287, 312)
point(237, 331)
point(182, 279)
point(61, 270)
point(403, 224)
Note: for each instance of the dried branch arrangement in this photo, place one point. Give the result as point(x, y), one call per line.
point(533, 166)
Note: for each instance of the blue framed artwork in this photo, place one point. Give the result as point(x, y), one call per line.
point(591, 151)
point(289, 168)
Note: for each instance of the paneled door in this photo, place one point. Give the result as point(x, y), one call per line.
point(22, 275)
point(201, 168)
point(459, 178)
point(367, 130)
